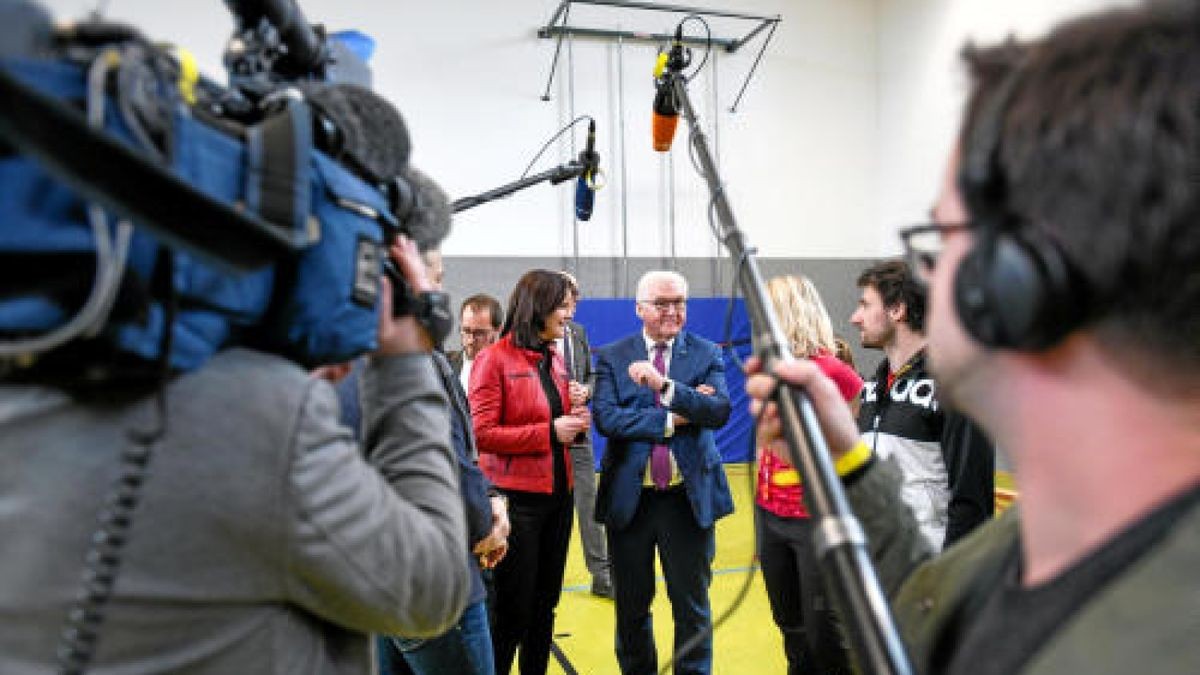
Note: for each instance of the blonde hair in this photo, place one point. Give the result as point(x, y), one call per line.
point(802, 315)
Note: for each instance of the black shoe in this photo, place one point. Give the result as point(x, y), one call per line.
point(602, 588)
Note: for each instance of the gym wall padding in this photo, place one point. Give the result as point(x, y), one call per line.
point(610, 319)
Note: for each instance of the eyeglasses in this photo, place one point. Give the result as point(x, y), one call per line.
point(666, 304)
point(477, 333)
point(923, 244)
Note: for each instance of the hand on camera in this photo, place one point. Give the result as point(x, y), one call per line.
point(403, 335)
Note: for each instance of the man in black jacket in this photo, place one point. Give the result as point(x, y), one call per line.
point(947, 463)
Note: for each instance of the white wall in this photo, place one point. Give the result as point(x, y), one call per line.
point(468, 75)
point(839, 138)
point(922, 86)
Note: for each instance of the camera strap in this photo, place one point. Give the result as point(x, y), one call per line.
point(278, 169)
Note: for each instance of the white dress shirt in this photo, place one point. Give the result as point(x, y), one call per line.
point(464, 375)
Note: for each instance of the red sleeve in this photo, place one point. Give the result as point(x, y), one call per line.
point(848, 382)
point(489, 398)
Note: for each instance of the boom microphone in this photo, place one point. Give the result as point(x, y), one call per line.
point(666, 115)
point(585, 191)
point(666, 107)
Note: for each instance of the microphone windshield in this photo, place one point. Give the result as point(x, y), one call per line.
point(666, 116)
point(369, 132)
point(424, 213)
point(663, 130)
point(585, 199)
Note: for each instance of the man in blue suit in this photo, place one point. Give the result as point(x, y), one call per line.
point(659, 394)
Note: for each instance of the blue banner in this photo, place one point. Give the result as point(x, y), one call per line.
point(610, 319)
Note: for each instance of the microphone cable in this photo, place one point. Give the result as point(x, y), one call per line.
point(707, 43)
point(752, 465)
point(111, 249)
point(570, 125)
point(80, 634)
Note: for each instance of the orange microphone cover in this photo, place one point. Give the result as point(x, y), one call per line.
point(663, 128)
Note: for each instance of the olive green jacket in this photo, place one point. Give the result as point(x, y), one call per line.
point(1145, 622)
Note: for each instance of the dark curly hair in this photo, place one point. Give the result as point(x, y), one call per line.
point(895, 283)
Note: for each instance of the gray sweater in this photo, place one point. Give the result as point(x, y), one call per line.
point(265, 542)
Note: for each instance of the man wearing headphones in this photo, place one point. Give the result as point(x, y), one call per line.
point(1064, 319)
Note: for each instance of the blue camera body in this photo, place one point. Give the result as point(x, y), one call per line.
point(317, 306)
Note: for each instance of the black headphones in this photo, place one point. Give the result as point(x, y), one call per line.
point(1014, 288)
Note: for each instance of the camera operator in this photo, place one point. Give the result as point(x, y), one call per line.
point(265, 540)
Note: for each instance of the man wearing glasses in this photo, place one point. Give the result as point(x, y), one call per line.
point(1063, 318)
point(659, 395)
point(947, 463)
point(479, 322)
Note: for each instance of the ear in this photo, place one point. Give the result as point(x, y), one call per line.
point(637, 307)
point(898, 312)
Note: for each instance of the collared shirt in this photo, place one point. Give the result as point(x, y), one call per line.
point(560, 348)
point(464, 374)
point(664, 400)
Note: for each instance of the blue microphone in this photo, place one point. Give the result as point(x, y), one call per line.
point(585, 191)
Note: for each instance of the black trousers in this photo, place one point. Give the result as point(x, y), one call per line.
point(663, 523)
point(529, 580)
point(800, 604)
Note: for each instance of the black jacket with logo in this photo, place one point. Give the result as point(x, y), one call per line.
point(947, 462)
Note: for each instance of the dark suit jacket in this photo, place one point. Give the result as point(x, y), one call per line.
point(456, 359)
point(580, 368)
point(627, 415)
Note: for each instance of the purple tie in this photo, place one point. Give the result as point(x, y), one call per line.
point(660, 455)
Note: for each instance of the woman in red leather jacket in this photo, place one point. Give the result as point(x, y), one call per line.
point(524, 424)
point(799, 604)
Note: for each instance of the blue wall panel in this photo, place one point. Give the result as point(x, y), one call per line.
point(609, 319)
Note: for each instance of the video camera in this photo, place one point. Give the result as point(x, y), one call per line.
point(256, 214)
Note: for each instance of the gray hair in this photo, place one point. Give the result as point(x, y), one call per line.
point(655, 276)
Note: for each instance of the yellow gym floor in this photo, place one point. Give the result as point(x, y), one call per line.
point(747, 643)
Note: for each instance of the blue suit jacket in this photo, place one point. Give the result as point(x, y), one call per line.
point(626, 414)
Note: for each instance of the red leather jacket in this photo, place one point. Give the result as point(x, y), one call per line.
point(511, 416)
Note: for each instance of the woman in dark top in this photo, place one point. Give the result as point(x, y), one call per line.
point(524, 425)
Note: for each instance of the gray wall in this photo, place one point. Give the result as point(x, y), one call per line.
point(708, 277)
